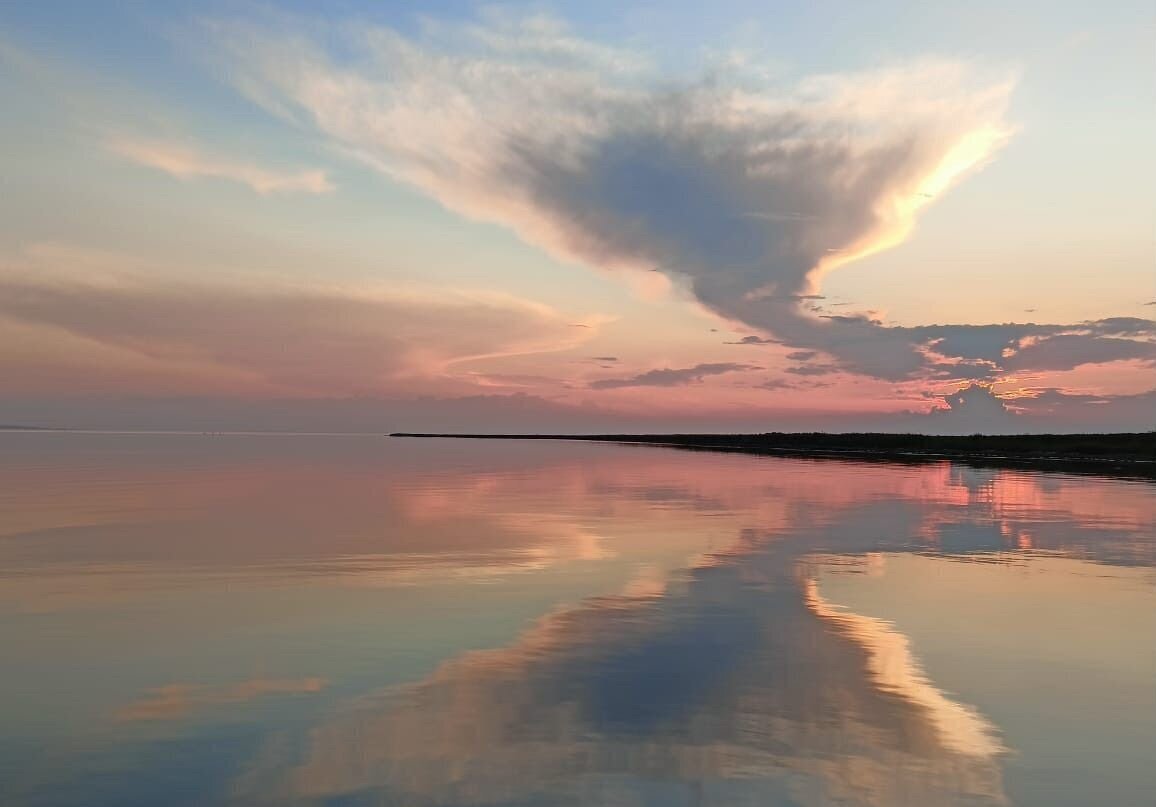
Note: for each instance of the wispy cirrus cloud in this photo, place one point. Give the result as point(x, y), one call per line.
point(291, 339)
point(184, 162)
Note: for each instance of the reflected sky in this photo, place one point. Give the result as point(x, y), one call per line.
point(197, 619)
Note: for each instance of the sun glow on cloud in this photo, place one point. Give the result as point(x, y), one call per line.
point(970, 153)
point(311, 340)
point(743, 193)
point(727, 186)
point(740, 192)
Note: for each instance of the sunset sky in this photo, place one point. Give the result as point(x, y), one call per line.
point(591, 215)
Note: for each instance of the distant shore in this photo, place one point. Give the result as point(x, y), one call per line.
point(1121, 454)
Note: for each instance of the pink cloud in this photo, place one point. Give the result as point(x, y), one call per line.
point(116, 326)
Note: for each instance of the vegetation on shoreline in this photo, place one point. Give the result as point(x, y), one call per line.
point(1133, 453)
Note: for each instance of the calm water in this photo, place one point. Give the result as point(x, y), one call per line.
point(201, 620)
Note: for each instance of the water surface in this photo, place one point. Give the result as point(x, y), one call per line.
point(346, 620)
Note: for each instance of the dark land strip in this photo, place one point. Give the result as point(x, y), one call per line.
point(1122, 454)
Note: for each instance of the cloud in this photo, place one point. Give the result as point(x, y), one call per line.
point(672, 377)
point(178, 701)
point(812, 369)
point(975, 408)
point(1133, 412)
point(1067, 351)
point(187, 162)
point(304, 340)
point(754, 340)
point(1121, 326)
point(974, 342)
point(860, 344)
point(742, 192)
point(778, 384)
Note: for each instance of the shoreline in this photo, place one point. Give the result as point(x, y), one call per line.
point(1118, 455)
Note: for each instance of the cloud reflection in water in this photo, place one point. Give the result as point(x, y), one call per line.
point(688, 655)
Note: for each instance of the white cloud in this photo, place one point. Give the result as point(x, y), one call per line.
point(733, 187)
point(741, 191)
point(187, 162)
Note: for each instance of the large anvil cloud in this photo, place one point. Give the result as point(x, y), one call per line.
point(743, 191)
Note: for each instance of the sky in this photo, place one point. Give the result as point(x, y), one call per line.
point(578, 216)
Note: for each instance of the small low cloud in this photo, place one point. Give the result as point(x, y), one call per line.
point(975, 402)
point(177, 701)
point(812, 369)
point(777, 384)
point(187, 162)
point(754, 340)
point(672, 377)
